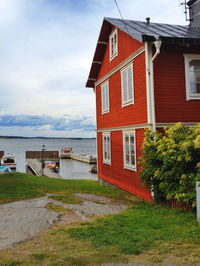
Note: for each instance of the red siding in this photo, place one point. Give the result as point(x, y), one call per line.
point(129, 115)
point(126, 47)
point(170, 91)
point(115, 173)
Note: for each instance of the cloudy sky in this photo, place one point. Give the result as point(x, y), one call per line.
point(46, 50)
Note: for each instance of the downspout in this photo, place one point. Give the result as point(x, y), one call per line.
point(157, 45)
point(94, 89)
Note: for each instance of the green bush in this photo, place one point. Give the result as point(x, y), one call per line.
point(170, 163)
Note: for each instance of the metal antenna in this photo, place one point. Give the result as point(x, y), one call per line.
point(121, 16)
point(186, 9)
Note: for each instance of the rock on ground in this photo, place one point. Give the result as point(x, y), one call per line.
point(24, 219)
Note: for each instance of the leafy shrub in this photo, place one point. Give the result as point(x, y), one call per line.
point(170, 163)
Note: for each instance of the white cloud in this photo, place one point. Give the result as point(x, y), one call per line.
point(46, 51)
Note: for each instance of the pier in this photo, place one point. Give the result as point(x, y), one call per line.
point(85, 158)
point(36, 167)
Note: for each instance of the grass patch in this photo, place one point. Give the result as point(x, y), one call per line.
point(39, 257)
point(140, 228)
point(56, 208)
point(67, 198)
point(11, 263)
point(144, 233)
point(19, 186)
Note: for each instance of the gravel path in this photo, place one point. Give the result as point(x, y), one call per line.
point(22, 220)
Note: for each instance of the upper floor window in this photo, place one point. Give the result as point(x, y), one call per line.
point(127, 85)
point(113, 45)
point(192, 76)
point(106, 148)
point(129, 147)
point(105, 97)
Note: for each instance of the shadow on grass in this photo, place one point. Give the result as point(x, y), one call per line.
point(140, 228)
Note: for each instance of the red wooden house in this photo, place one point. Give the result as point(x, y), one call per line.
point(144, 75)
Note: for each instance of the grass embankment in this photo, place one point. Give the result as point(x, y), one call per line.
point(144, 233)
point(18, 186)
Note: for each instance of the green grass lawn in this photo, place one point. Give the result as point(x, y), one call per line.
point(19, 186)
point(144, 233)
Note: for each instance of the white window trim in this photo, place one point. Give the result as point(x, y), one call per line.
point(189, 96)
point(129, 102)
point(108, 109)
point(129, 166)
point(110, 37)
point(106, 134)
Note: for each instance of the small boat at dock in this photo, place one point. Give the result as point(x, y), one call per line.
point(4, 169)
point(66, 153)
point(9, 161)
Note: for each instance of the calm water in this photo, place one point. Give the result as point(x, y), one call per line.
point(68, 168)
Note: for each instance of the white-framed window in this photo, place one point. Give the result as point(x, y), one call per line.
point(127, 85)
point(106, 148)
point(113, 43)
point(192, 76)
point(105, 97)
point(129, 150)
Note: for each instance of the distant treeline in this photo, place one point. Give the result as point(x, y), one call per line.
point(21, 137)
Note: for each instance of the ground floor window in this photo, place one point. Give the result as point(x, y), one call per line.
point(129, 150)
point(192, 76)
point(106, 148)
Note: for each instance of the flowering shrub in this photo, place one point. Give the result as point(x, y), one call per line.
point(170, 163)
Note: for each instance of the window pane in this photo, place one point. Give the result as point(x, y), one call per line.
point(105, 148)
point(108, 147)
point(125, 92)
point(130, 88)
point(115, 43)
point(112, 46)
point(194, 67)
point(132, 150)
point(107, 99)
point(127, 152)
point(103, 98)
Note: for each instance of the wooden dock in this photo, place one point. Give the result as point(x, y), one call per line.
point(84, 158)
point(81, 158)
point(36, 167)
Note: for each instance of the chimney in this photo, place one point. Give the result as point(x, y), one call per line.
point(147, 20)
point(194, 12)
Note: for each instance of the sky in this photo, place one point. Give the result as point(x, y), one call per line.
point(46, 51)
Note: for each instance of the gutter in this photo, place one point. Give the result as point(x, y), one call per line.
point(157, 45)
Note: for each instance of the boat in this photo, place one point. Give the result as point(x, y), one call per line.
point(66, 153)
point(9, 161)
point(50, 164)
point(5, 169)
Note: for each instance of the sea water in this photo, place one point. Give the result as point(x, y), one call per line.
point(69, 169)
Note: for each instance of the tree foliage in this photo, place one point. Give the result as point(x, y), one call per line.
point(170, 163)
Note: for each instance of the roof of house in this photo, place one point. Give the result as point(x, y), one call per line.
point(190, 2)
point(143, 32)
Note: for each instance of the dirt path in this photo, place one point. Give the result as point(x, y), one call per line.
point(22, 220)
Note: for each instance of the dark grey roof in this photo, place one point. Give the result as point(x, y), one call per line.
point(189, 3)
point(143, 32)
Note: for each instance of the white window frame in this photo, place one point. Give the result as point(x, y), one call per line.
point(112, 36)
point(129, 166)
point(105, 88)
point(106, 160)
point(129, 101)
point(189, 95)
